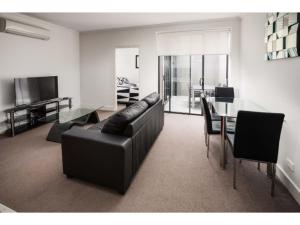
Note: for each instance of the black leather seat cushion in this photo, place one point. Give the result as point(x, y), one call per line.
point(152, 98)
point(117, 123)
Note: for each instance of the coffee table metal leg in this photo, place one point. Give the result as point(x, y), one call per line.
point(269, 170)
point(12, 123)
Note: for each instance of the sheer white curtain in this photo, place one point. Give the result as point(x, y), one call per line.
point(194, 42)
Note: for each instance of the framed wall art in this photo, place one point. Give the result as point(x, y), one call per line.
point(282, 36)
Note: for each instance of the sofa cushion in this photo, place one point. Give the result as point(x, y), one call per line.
point(117, 123)
point(152, 98)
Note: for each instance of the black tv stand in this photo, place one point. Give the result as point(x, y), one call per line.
point(34, 114)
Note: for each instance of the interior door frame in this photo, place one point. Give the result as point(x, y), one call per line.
point(115, 70)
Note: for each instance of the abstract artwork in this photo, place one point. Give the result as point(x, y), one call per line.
point(282, 36)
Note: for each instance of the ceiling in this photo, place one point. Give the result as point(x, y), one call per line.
point(102, 21)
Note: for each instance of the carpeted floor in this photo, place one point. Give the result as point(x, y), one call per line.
point(176, 176)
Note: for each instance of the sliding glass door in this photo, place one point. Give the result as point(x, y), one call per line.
point(176, 83)
point(186, 77)
point(180, 84)
point(196, 83)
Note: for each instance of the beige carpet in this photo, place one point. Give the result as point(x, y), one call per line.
point(176, 176)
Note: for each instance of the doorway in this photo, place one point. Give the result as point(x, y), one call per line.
point(185, 77)
point(127, 75)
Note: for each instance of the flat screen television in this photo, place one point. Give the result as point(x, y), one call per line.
point(35, 89)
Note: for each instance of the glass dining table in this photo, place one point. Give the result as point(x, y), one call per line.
point(228, 108)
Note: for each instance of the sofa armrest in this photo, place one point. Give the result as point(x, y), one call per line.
point(101, 158)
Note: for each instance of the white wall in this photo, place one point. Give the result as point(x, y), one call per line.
point(125, 64)
point(22, 57)
point(97, 58)
point(275, 86)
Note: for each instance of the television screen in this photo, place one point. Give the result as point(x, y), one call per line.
point(35, 89)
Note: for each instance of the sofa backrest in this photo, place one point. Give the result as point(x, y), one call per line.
point(152, 98)
point(150, 114)
point(117, 123)
point(127, 121)
point(143, 132)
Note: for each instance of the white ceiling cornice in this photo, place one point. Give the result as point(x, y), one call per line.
point(106, 21)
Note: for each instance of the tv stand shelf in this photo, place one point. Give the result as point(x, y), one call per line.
point(35, 114)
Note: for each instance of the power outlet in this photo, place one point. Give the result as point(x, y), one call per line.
point(290, 164)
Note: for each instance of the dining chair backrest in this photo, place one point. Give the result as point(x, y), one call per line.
point(224, 92)
point(207, 115)
point(257, 136)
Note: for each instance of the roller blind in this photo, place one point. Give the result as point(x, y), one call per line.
point(193, 42)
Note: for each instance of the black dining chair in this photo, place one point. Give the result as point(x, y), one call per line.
point(256, 138)
point(224, 92)
point(212, 127)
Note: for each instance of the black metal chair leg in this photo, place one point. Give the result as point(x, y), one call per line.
point(225, 152)
point(273, 179)
point(234, 173)
point(258, 165)
point(207, 146)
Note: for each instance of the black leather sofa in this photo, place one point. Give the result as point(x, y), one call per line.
point(111, 152)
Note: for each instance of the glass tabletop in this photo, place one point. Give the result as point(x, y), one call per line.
point(76, 113)
point(206, 87)
point(229, 107)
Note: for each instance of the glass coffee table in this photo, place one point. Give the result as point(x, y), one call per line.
point(79, 116)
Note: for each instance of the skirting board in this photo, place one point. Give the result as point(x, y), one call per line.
point(4, 209)
point(288, 183)
point(3, 130)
